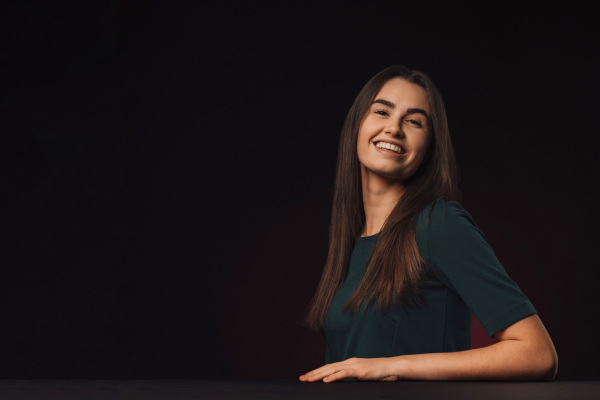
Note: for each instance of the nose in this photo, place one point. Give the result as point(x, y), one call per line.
point(393, 128)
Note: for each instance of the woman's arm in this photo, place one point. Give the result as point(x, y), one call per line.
point(524, 352)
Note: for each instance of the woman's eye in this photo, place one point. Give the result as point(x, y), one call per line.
point(413, 122)
point(381, 112)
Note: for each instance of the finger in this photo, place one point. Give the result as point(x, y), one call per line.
point(337, 376)
point(309, 374)
point(321, 373)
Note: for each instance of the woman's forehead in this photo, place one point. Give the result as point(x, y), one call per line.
point(398, 92)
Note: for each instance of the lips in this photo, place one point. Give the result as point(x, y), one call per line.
point(395, 148)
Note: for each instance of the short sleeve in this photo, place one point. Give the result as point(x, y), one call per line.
point(462, 259)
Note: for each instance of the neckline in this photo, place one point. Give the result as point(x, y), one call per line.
point(368, 237)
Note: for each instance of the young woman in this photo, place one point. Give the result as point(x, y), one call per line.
point(407, 266)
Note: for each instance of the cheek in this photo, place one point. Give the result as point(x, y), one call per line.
point(425, 144)
point(361, 151)
point(362, 144)
point(421, 151)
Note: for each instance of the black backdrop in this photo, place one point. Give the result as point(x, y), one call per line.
point(168, 172)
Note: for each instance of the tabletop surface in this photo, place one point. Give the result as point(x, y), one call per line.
point(290, 389)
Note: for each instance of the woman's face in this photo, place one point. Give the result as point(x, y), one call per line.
point(394, 136)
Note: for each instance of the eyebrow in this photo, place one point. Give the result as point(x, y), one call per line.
point(408, 111)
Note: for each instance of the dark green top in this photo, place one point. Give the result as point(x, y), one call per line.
point(463, 277)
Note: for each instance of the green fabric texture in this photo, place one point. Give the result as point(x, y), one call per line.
point(462, 277)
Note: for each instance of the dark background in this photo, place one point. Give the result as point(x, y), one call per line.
point(168, 168)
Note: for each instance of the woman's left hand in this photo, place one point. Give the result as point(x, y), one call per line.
point(364, 369)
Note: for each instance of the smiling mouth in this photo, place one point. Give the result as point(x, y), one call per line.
point(391, 147)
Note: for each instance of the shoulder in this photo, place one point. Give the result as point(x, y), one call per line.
point(442, 213)
point(445, 224)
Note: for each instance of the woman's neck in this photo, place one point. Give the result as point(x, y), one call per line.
point(380, 196)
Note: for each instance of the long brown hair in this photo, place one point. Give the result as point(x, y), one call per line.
point(394, 269)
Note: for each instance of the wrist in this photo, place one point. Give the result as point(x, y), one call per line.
point(399, 367)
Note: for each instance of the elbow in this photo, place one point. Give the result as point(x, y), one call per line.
point(541, 364)
point(552, 367)
point(548, 364)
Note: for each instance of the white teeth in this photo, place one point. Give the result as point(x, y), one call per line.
point(389, 146)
